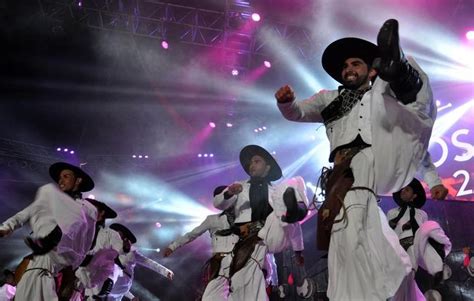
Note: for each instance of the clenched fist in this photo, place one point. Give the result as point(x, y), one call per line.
point(235, 188)
point(4, 231)
point(285, 94)
point(439, 192)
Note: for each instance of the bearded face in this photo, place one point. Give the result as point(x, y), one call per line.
point(355, 74)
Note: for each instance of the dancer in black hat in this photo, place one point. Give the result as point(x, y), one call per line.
point(378, 123)
point(125, 265)
point(424, 240)
point(63, 229)
point(260, 222)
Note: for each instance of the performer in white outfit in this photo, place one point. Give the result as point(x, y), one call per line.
point(63, 228)
point(378, 136)
point(424, 240)
point(264, 214)
point(125, 266)
point(100, 259)
point(222, 243)
point(8, 289)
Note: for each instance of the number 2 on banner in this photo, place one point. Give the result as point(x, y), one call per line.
point(462, 190)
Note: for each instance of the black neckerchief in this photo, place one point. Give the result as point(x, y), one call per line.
point(412, 224)
point(230, 214)
point(342, 104)
point(258, 196)
point(74, 194)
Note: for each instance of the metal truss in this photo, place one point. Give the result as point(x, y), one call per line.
point(186, 24)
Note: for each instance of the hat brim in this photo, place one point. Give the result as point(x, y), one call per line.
point(249, 151)
point(339, 51)
point(109, 212)
point(219, 190)
point(55, 170)
point(125, 231)
point(418, 189)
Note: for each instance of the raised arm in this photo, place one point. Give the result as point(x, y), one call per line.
point(228, 196)
point(188, 237)
point(153, 265)
point(308, 110)
point(430, 176)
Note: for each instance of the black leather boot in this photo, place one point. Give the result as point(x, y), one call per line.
point(294, 211)
point(393, 67)
point(105, 290)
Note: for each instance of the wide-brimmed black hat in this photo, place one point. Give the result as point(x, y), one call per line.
point(55, 170)
point(125, 231)
point(109, 212)
point(249, 151)
point(219, 189)
point(339, 51)
point(418, 189)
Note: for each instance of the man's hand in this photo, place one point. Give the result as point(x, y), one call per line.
point(244, 230)
point(5, 231)
point(439, 192)
point(235, 188)
point(285, 94)
point(170, 275)
point(167, 252)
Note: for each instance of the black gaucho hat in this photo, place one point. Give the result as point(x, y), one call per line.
point(249, 151)
point(339, 51)
point(418, 189)
point(55, 170)
point(109, 212)
point(125, 231)
point(219, 189)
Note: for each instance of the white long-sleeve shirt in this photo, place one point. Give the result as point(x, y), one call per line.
point(108, 246)
point(129, 261)
point(212, 223)
point(7, 292)
point(243, 211)
point(52, 208)
point(420, 217)
point(339, 132)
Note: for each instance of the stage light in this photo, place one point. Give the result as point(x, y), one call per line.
point(274, 153)
point(211, 155)
point(164, 45)
point(255, 130)
point(470, 35)
point(267, 64)
point(256, 17)
point(264, 128)
point(79, 3)
point(260, 129)
point(158, 225)
point(146, 157)
point(134, 156)
point(212, 124)
point(157, 250)
point(65, 150)
point(235, 72)
point(205, 155)
point(140, 156)
point(58, 149)
point(438, 103)
point(229, 125)
point(71, 152)
point(199, 155)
